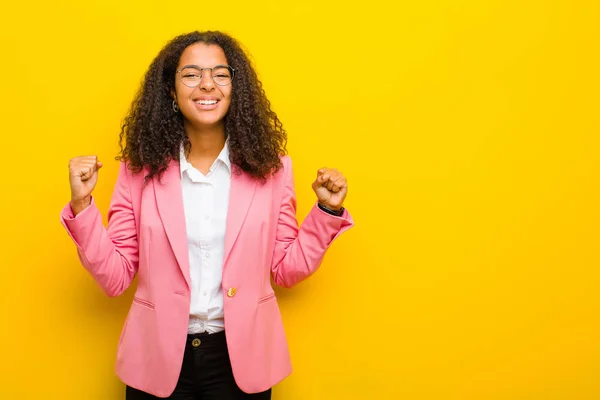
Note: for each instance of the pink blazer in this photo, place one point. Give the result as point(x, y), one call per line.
point(146, 235)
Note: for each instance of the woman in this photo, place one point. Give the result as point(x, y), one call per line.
point(204, 213)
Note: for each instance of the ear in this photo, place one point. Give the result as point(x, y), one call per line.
point(173, 94)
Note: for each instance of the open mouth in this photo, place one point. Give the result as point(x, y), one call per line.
point(206, 104)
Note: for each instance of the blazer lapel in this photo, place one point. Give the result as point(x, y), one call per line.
point(241, 194)
point(169, 200)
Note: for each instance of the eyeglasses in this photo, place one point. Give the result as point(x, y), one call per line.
point(191, 75)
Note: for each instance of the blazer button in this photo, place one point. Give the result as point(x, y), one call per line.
point(231, 292)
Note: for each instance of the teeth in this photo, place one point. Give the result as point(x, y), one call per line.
point(206, 102)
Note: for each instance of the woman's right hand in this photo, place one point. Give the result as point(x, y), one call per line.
point(83, 175)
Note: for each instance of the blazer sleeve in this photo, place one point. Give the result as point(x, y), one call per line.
point(109, 254)
point(298, 252)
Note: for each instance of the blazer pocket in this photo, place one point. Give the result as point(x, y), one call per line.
point(266, 298)
point(143, 303)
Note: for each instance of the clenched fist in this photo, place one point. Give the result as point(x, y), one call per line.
point(83, 175)
point(331, 188)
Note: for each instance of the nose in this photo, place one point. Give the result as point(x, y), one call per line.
point(206, 82)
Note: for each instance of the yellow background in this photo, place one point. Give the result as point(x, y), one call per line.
point(469, 134)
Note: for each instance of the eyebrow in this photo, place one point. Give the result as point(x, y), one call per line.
point(199, 67)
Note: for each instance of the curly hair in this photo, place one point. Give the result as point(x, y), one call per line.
point(152, 134)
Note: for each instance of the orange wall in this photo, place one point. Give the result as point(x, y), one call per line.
point(468, 131)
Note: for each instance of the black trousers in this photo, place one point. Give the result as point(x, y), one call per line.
point(206, 373)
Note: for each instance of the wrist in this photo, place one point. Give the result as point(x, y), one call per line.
point(337, 211)
point(78, 205)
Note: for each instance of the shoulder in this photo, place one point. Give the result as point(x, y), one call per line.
point(286, 162)
point(129, 175)
point(285, 171)
point(282, 174)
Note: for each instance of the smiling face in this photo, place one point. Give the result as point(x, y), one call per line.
point(205, 105)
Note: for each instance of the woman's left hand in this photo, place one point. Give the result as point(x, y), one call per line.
point(331, 188)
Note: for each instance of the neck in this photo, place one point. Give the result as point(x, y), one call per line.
point(207, 142)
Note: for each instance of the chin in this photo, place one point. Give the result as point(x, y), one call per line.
point(207, 122)
point(204, 120)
